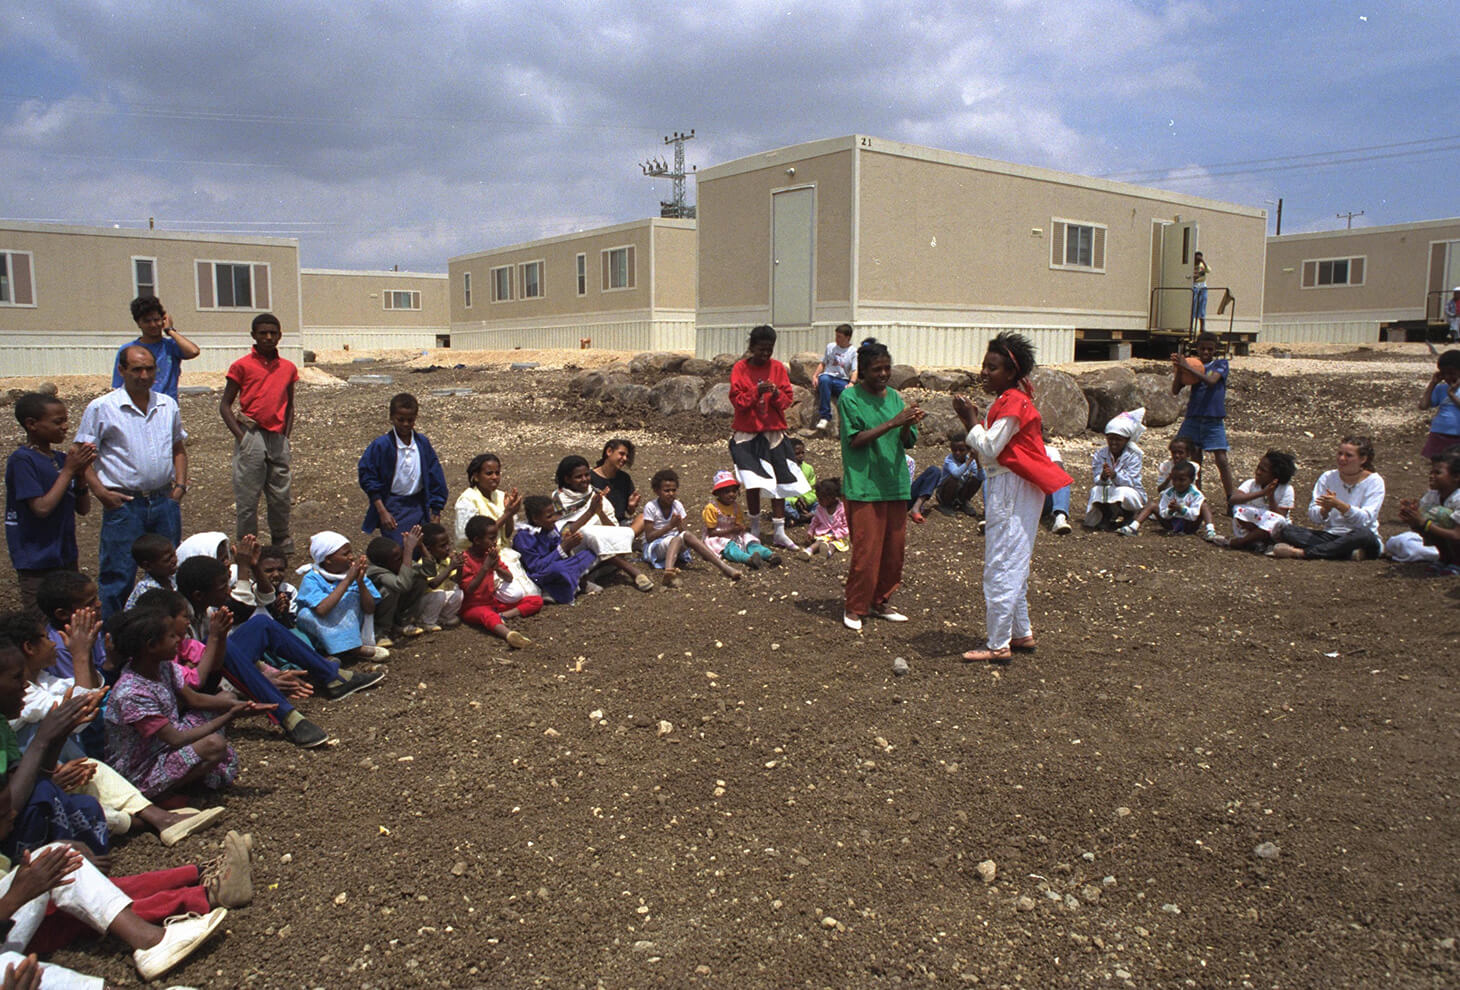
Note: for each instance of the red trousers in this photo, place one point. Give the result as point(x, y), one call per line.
point(488, 614)
point(879, 531)
point(155, 896)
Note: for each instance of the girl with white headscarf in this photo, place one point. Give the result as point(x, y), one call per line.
point(1116, 491)
point(337, 601)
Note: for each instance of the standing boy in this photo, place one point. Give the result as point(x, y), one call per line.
point(45, 489)
point(140, 474)
point(263, 384)
point(401, 475)
point(1206, 409)
point(169, 348)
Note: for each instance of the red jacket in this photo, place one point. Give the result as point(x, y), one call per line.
point(756, 413)
point(1024, 453)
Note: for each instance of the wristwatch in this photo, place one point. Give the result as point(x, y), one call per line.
point(181, 484)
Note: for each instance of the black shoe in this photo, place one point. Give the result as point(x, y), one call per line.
point(774, 560)
point(306, 735)
point(357, 682)
point(753, 563)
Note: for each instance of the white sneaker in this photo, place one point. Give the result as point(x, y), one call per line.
point(851, 622)
point(1061, 525)
point(180, 937)
point(1129, 529)
point(821, 424)
point(890, 614)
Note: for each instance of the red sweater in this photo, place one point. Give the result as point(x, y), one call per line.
point(756, 413)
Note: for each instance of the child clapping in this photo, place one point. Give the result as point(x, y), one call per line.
point(488, 596)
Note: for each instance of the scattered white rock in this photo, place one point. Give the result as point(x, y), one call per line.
point(665, 727)
point(1266, 850)
point(899, 666)
point(1170, 909)
point(1024, 903)
point(828, 922)
point(987, 871)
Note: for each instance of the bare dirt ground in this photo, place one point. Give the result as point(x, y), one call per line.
point(488, 818)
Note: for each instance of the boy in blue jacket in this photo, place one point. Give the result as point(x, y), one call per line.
point(401, 475)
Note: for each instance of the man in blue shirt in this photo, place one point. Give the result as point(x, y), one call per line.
point(169, 348)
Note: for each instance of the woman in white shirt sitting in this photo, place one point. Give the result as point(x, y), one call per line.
point(1345, 508)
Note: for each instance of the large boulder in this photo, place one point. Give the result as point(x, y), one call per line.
point(656, 363)
point(1110, 392)
point(697, 366)
point(1061, 404)
point(591, 383)
point(1162, 408)
point(803, 411)
point(903, 376)
point(724, 362)
point(716, 401)
point(677, 394)
point(626, 393)
point(802, 366)
point(939, 420)
point(945, 380)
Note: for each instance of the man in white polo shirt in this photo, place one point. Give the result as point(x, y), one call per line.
point(140, 474)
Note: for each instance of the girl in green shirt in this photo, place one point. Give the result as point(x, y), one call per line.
point(877, 428)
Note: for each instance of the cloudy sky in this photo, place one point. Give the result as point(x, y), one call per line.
point(385, 134)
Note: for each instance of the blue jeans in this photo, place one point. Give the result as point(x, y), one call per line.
point(120, 528)
point(262, 633)
point(1058, 502)
point(1198, 303)
point(827, 389)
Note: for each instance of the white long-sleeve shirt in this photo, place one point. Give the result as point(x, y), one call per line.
point(989, 443)
point(1364, 499)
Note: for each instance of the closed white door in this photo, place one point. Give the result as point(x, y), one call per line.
point(1173, 305)
point(792, 250)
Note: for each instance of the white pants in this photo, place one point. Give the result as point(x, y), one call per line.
point(90, 897)
point(440, 606)
point(1011, 513)
point(1407, 548)
point(1128, 499)
point(113, 792)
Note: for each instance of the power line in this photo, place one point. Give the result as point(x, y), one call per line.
point(1318, 159)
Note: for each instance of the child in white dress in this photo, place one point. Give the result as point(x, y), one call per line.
point(1116, 489)
point(1262, 503)
point(667, 543)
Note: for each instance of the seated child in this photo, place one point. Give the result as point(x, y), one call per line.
point(558, 561)
point(1434, 519)
point(1262, 503)
point(1182, 450)
point(157, 557)
point(121, 803)
point(828, 527)
point(1181, 508)
point(955, 483)
point(441, 601)
point(1057, 503)
point(72, 887)
point(161, 734)
point(798, 509)
point(484, 497)
point(204, 582)
point(666, 544)
point(273, 567)
point(60, 596)
point(336, 600)
point(1443, 396)
point(393, 572)
point(488, 597)
point(582, 510)
point(726, 531)
point(1116, 491)
point(43, 812)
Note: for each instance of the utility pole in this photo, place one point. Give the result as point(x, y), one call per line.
point(1349, 216)
point(1280, 217)
point(658, 168)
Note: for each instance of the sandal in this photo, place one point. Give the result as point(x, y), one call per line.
point(1023, 644)
point(987, 655)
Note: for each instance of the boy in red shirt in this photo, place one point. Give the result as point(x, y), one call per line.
point(263, 384)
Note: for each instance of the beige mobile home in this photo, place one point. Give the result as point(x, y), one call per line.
point(65, 292)
point(374, 309)
point(934, 252)
point(1348, 286)
point(626, 287)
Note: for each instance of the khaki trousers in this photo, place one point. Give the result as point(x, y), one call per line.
point(261, 466)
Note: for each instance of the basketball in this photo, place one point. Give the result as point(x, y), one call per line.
point(1191, 371)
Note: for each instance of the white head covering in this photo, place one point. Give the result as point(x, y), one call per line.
point(1130, 425)
point(321, 545)
point(204, 545)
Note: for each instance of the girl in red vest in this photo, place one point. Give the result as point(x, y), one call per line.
point(1019, 475)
